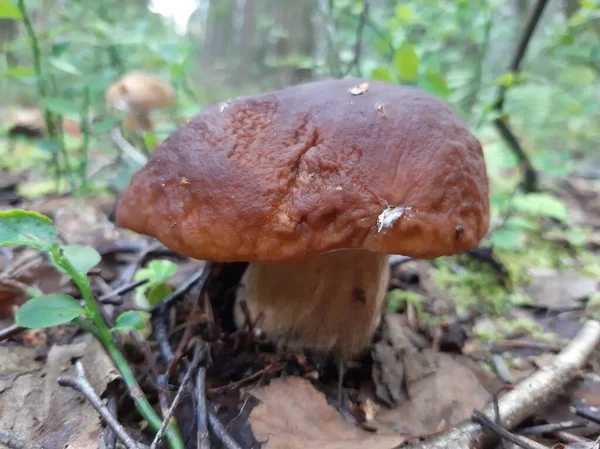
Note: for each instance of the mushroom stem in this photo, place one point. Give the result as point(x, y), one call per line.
point(331, 303)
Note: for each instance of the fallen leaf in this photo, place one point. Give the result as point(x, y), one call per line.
point(292, 414)
point(450, 394)
point(32, 403)
point(396, 361)
point(360, 89)
point(555, 289)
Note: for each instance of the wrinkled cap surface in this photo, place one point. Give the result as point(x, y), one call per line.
point(313, 168)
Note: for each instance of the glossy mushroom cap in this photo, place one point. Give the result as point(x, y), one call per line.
point(140, 92)
point(313, 168)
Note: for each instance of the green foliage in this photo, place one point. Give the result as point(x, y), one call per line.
point(8, 10)
point(48, 311)
point(541, 205)
point(131, 320)
point(397, 300)
point(82, 258)
point(19, 227)
point(406, 62)
point(155, 290)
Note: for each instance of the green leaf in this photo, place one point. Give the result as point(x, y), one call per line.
point(17, 72)
point(8, 10)
point(435, 83)
point(383, 74)
point(21, 227)
point(508, 238)
point(157, 271)
point(59, 105)
point(541, 205)
point(158, 293)
point(404, 13)
point(64, 66)
point(83, 258)
point(132, 319)
point(48, 311)
point(407, 61)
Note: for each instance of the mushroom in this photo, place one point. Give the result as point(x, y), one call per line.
point(315, 186)
point(138, 93)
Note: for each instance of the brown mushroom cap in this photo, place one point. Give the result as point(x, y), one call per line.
point(140, 92)
point(313, 168)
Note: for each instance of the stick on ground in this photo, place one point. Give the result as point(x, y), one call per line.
point(528, 396)
point(80, 383)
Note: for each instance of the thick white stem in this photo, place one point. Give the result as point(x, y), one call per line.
point(331, 303)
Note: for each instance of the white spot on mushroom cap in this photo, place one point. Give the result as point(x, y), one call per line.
point(224, 106)
point(390, 215)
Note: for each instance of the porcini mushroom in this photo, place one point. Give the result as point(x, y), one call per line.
point(314, 186)
point(138, 93)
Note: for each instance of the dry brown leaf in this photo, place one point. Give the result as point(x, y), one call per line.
point(449, 394)
point(556, 289)
point(32, 403)
point(396, 361)
point(292, 414)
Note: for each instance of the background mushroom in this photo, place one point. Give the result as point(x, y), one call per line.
point(138, 93)
point(315, 185)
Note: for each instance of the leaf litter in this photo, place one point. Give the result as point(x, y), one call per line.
point(403, 388)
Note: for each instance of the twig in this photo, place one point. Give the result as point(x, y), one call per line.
point(527, 344)
point(128, 150)
point(162, 337)
point(221, 432)
point(199, 277)
point(10, 331)
point(486, 422)
point(240, 383)
point(528, 396)
point(202, 436)
point(80, 383)
point(530, 179)
point(585, 414)
point(110, 439)
point(114, 297)
point(550, 428)
point(502, 370)
point(359, 38)
point(570, 438)
point(198, 356)
point(12, 441)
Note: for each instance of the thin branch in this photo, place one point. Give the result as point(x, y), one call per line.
point(126, 148)
point(486, 422)
point(198, 356)
point(202, 435)
point(593, 417)
point(10, 331)
point(114, 297)
point(530, 181)
point(528, 396)
point(221, 432)
point(80, 383)
point(199, 277)
point(551, 428)
point(362, 20)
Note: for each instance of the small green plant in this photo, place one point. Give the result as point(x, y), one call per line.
point(20, 227)
point(156, 289)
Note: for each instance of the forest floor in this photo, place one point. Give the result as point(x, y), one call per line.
point(447, 345)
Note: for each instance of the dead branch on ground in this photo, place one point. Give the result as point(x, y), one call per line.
point(528, 396)
point(80, 383)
